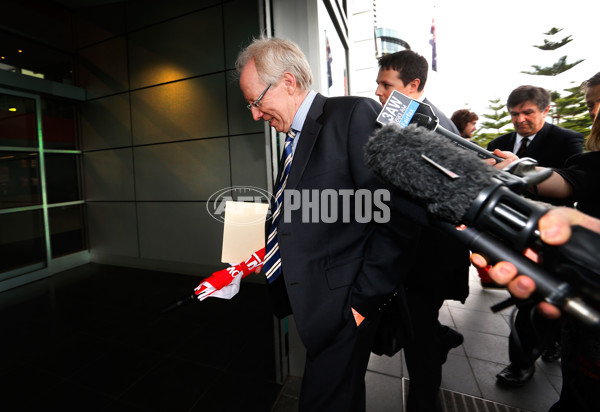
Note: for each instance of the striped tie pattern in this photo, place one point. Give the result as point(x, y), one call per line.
point(523, 146)
point(272, 261)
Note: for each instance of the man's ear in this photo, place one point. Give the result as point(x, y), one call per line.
point(546, 110)
point(289, 82)
point(414, 85)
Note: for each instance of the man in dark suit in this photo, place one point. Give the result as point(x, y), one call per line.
point(551, 146)
point(332, 276)
point(428, 285)
point(406, 72)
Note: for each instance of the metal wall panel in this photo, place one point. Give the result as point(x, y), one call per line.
point(108, 175)
point(185, 171)
point(106, 123)
point(113, 228)
point(190, 109)
point(179, 232)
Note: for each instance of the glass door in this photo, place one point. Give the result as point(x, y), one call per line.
point(41, 207)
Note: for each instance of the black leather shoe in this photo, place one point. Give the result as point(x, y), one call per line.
point(515, 376)
point(552, 353)
point(450, 339)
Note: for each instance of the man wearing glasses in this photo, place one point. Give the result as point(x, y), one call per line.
point(333, 277)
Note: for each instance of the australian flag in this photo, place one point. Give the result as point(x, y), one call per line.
point(433, 50)
point(329, 59)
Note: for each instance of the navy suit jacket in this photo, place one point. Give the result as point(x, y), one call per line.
point(442, 119)
point(450, 278)
point(329, 268)
point(551, 147)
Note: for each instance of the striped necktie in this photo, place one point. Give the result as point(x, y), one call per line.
point(523, 146)
point(272, 261)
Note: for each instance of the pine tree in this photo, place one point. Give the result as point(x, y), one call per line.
point(571, 111)
point(497, 121)
point(561, 65)
point(568, 111)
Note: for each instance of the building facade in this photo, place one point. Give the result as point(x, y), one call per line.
point(119, 121)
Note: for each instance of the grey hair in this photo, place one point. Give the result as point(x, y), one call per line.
point(273, 57)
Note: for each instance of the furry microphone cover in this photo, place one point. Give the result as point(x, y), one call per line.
point(395, 154)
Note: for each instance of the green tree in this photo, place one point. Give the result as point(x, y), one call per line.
point(567, 110)
point(561, 65)
point(571, 111)
point(497, 120)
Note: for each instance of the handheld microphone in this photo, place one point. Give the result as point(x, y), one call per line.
point(457, 187)
point(428, 122)
point(403, 110)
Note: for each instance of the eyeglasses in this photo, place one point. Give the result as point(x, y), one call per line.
point(256, 103)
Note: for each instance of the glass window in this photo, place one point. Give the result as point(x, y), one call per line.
point(66, 230)
point(23, 232)
point(21, 239)
point(58, 125)
point(19, 179)
point(61, 177)
point(17, 122)
point(23, 56)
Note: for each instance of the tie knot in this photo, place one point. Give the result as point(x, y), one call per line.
point(292, 133)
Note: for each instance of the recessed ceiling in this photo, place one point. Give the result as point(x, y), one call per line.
point(78, 4)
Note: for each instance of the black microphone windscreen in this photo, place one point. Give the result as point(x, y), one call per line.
point(395, 154)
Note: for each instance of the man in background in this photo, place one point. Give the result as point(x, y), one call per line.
point(592, 94)
point(534, 137)
point(551, 146)
point(427, 286)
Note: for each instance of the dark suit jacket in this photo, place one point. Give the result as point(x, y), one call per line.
point(551, 147)
point(442, 119)
point(448, 277)
point(327, 268)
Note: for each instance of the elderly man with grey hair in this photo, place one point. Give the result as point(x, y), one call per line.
point(332, 276)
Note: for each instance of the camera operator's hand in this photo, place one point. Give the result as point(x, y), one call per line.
point(508, 157)
point(555, 229)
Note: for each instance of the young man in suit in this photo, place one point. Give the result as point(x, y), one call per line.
point(334, 275)
point(551, 146)
point(428, 285)
point(406, 72)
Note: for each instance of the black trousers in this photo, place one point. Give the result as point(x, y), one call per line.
point(531, 334)
point(580, 363)
point(334, 379)
point(424, 355)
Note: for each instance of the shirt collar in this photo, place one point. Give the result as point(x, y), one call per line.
point(302, 112)
point(519, 137)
